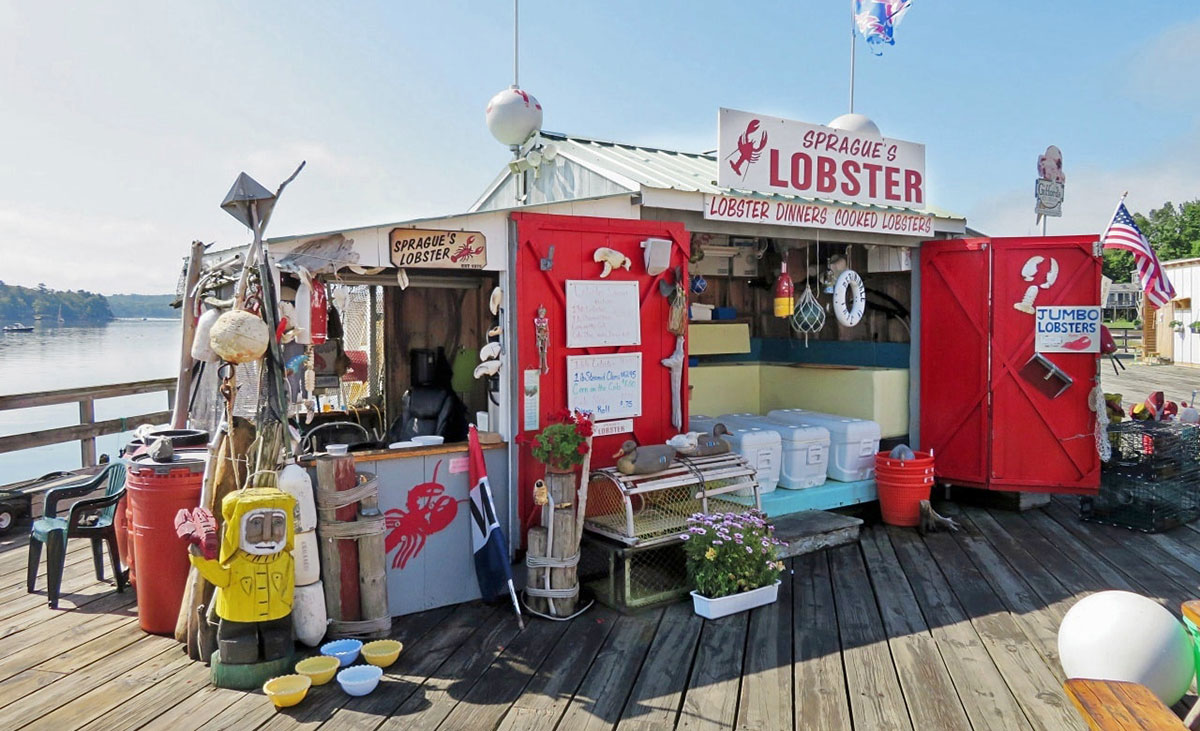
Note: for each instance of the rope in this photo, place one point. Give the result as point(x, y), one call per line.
point(351, 628)
point(567, 618)
point(539, 562)
point(344, 529)
point(326, 499)
point(1097, 403)
point(568, 593)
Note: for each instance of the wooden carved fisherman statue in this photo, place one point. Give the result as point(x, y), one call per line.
point(254, 576)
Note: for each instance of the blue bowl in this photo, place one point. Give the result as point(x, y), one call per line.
point(360, 679)
point(346, 651)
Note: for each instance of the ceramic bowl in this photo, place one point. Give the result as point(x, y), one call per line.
point(346, 651)
point(429, 440)
point(336, 448)
point(359, 679)
point(320, 668)
point(287, 690)
point(382, 652)
point(401, 445)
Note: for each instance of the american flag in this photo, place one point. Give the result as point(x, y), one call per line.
point(1124, 234)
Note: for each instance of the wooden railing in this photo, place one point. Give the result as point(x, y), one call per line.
point(86, 431)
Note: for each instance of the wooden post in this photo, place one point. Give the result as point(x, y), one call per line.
point(535, 545)
point(87, 445)
point(372, 567)
point(562, 492)
point(339, 557)
point(179, 413)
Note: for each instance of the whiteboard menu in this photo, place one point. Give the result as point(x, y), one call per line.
point(602, 313)
point(607, 386)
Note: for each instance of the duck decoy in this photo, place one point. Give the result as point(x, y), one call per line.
point(635, 460)
point(709, 444)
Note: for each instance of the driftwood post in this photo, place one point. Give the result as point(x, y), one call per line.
point(555, 559)
point(183, 388)
point(372, 565)
point(339, 556)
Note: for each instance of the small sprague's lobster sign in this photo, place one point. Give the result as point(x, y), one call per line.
point(424, 249)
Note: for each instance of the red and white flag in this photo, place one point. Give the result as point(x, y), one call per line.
point(1124, 234)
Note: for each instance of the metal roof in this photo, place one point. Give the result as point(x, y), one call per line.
point(635, 167)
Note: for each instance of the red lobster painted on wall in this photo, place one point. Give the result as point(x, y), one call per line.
point(428, 510)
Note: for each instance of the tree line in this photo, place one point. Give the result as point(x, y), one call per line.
point(24, 304)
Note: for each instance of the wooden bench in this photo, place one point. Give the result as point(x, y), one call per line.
point(1111, 705)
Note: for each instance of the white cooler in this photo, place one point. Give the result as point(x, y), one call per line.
point(762, 449)
point(852, 442)
point(804, 449)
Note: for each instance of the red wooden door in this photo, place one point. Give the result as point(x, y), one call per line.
point(1041, 442)
point(955, 324)
point(575, 240)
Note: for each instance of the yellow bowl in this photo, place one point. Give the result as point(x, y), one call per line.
point(382, 652)
point(319, 668)
point(287, 690)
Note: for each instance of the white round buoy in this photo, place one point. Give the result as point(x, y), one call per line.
point(857, 123)
point(1119, 635)
point(309, 617)
point(239, 336)
point(513, 115)
point(201, 347)
point(294, 480)
point(304, 554)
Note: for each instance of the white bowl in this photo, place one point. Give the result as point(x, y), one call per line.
point(359, 679)
point(337, 448)
point(401, 445)
point(428, 440)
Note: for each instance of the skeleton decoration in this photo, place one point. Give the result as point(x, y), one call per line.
point(541, 333)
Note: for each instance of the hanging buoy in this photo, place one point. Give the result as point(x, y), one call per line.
point(849, 298)
point(302, 324)
point(201, 348)
point(294, 480)
point(319, 320)
point(239, 337)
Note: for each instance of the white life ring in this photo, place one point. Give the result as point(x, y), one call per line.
point(849, 298)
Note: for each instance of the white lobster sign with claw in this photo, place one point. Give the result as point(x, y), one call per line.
point(1041, 275)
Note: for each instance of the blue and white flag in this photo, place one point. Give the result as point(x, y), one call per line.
point(877, 21)
point(492, 569)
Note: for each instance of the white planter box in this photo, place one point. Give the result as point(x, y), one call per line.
point(726, 605)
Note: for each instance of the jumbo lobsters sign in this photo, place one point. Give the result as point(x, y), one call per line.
point(424, 249)
point(772, 155)
point(816, 215)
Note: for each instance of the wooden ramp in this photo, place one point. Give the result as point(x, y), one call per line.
point(892, 632)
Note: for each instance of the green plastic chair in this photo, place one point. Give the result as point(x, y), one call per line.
point(91, 518)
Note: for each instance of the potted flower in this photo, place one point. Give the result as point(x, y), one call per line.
point(1195, 326)
point(1176, 325)
point(561, 446)
point(731, 562)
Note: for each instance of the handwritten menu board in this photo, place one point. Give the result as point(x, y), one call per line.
point(608, 386)
point(602, 313)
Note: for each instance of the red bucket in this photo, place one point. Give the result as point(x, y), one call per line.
point(902, 485)
point(156, 492)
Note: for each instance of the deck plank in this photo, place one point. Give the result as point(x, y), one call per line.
point(928, 690)
point(598, 701)
point(658, 691)
point(985, 696)
point(876, 699)
point(56, 634)
point(1015, 654)
point(711, 700)
point(767, 682)
point(819, 686)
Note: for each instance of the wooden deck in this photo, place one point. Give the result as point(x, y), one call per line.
point(1138, 381)
point(897, 632)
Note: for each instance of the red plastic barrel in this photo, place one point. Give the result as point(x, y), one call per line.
point(156, 492)
point(903, 484)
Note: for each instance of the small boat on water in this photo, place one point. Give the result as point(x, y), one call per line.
point(17, 327)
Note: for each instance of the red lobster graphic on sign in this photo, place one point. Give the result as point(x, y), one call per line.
point(747, 150)
point(466, 251)
point(427, 511)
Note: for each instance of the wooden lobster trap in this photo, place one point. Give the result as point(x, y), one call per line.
point(644, 510)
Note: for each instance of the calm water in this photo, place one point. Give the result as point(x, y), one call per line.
point(54, 357)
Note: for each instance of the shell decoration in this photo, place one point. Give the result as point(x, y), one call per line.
point(612, 259)
point(239, 337)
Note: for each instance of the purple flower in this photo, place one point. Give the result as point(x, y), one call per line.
point(749, 549)
point(685, 537)
point(717, 542)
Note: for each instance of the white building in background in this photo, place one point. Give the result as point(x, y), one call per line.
point(1180, 342)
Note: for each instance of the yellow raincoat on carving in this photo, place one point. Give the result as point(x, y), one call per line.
point(251, 588)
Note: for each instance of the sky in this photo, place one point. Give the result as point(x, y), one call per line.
point(123, 124)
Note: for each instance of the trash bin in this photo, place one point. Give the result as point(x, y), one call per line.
point(156, 492)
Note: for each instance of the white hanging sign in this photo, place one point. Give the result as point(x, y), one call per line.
point(606, 386)
point(1068, 329)
point(603, 313)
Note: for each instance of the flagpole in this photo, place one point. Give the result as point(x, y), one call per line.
point(853, 39)
point(1110, 218)
point(512, 592)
